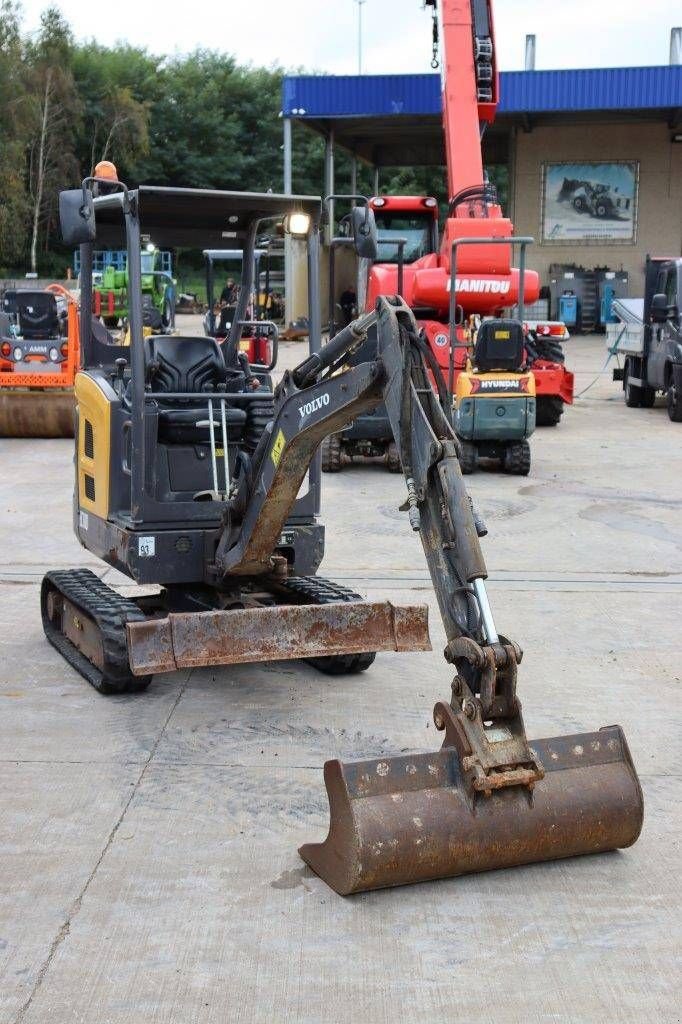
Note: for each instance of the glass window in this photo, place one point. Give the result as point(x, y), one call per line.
point(671, 288)
point(416, 228)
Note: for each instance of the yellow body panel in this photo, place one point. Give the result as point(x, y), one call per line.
point(93, 407)
point(494, 385)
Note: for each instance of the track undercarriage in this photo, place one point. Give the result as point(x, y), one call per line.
point(117, 643)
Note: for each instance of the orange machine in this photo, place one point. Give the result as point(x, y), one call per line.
point(39, 356)
point(486, 282)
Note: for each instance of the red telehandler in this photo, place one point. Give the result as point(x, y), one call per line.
point(486, 282)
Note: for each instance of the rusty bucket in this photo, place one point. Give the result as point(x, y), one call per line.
point(414, 818)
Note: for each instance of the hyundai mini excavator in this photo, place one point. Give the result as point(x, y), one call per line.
point(235, 545)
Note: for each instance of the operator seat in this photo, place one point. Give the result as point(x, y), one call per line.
point(499, 346)
point(195, 365)
point(37, 315)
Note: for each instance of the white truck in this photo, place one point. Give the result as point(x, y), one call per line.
point(649, 337)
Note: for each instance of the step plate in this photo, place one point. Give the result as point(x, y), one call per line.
point(238, 636)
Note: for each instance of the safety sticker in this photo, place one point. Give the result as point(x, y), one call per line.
point(83, 520)
point(278, 447)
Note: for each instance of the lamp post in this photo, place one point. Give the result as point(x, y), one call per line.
point(360, 5)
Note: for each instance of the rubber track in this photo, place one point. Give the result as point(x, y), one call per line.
point(110, 612)
point(317, 590)
point(331, 454)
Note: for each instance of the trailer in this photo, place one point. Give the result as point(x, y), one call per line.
point(648, 335)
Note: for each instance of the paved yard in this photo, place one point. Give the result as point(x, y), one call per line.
point(148, 843)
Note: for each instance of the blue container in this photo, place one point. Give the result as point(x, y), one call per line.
point(568, 309)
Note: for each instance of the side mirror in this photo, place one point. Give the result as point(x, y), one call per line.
point(364, 232)
point(659, 308)
point(77, 216)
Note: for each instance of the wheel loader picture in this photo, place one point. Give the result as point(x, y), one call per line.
point(191, 478)
point(595, 198)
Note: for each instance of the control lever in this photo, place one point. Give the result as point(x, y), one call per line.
point(119, 381)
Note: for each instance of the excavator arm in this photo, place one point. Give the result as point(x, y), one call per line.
point(483, 723)
point(488, 798)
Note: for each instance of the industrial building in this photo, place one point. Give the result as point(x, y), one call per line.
point(594, 156)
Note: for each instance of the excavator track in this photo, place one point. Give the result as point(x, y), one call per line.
point(84, 620)
point(317, 590)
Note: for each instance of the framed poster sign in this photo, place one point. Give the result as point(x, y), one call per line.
point(590, 202)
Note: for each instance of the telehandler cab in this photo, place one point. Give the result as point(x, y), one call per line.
point(235, 547)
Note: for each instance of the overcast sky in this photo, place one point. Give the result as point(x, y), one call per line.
point(322, 35)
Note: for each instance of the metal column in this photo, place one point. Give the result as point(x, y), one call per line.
point(288, 156)
point(329, 188)
point(376, 181)
point(288, 247)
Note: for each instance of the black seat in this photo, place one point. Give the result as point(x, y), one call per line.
point(499, 346)
point(37, 315)
point(194, 365)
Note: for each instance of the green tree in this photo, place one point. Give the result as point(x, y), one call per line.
point(117, 87)
point(53, 113)
point(14, 205)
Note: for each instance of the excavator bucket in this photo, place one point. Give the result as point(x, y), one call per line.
point(36, 413)
point(415, 818)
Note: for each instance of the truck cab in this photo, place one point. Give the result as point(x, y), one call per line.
point(654, 353)
point(662, 316)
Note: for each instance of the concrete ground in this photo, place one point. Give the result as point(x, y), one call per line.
point(148, 843)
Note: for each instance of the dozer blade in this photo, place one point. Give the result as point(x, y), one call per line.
point(28, 413)
point(414, 818)
point(240, 636)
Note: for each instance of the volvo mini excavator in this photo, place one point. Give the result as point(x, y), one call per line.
point(235, 548)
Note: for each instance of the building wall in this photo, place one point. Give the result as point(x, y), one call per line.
point(660, 192)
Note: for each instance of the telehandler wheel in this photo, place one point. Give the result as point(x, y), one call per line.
point(331, 454)
point(468, 459)
point(632, 393)
point(548, 410)
point(167, 317)
point(393, 462)
point(549, 348)
point(517, 459)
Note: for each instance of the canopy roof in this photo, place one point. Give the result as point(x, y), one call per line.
point(395, 120)
point(196, 217)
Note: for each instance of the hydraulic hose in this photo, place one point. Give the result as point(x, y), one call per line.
point(344, 342)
